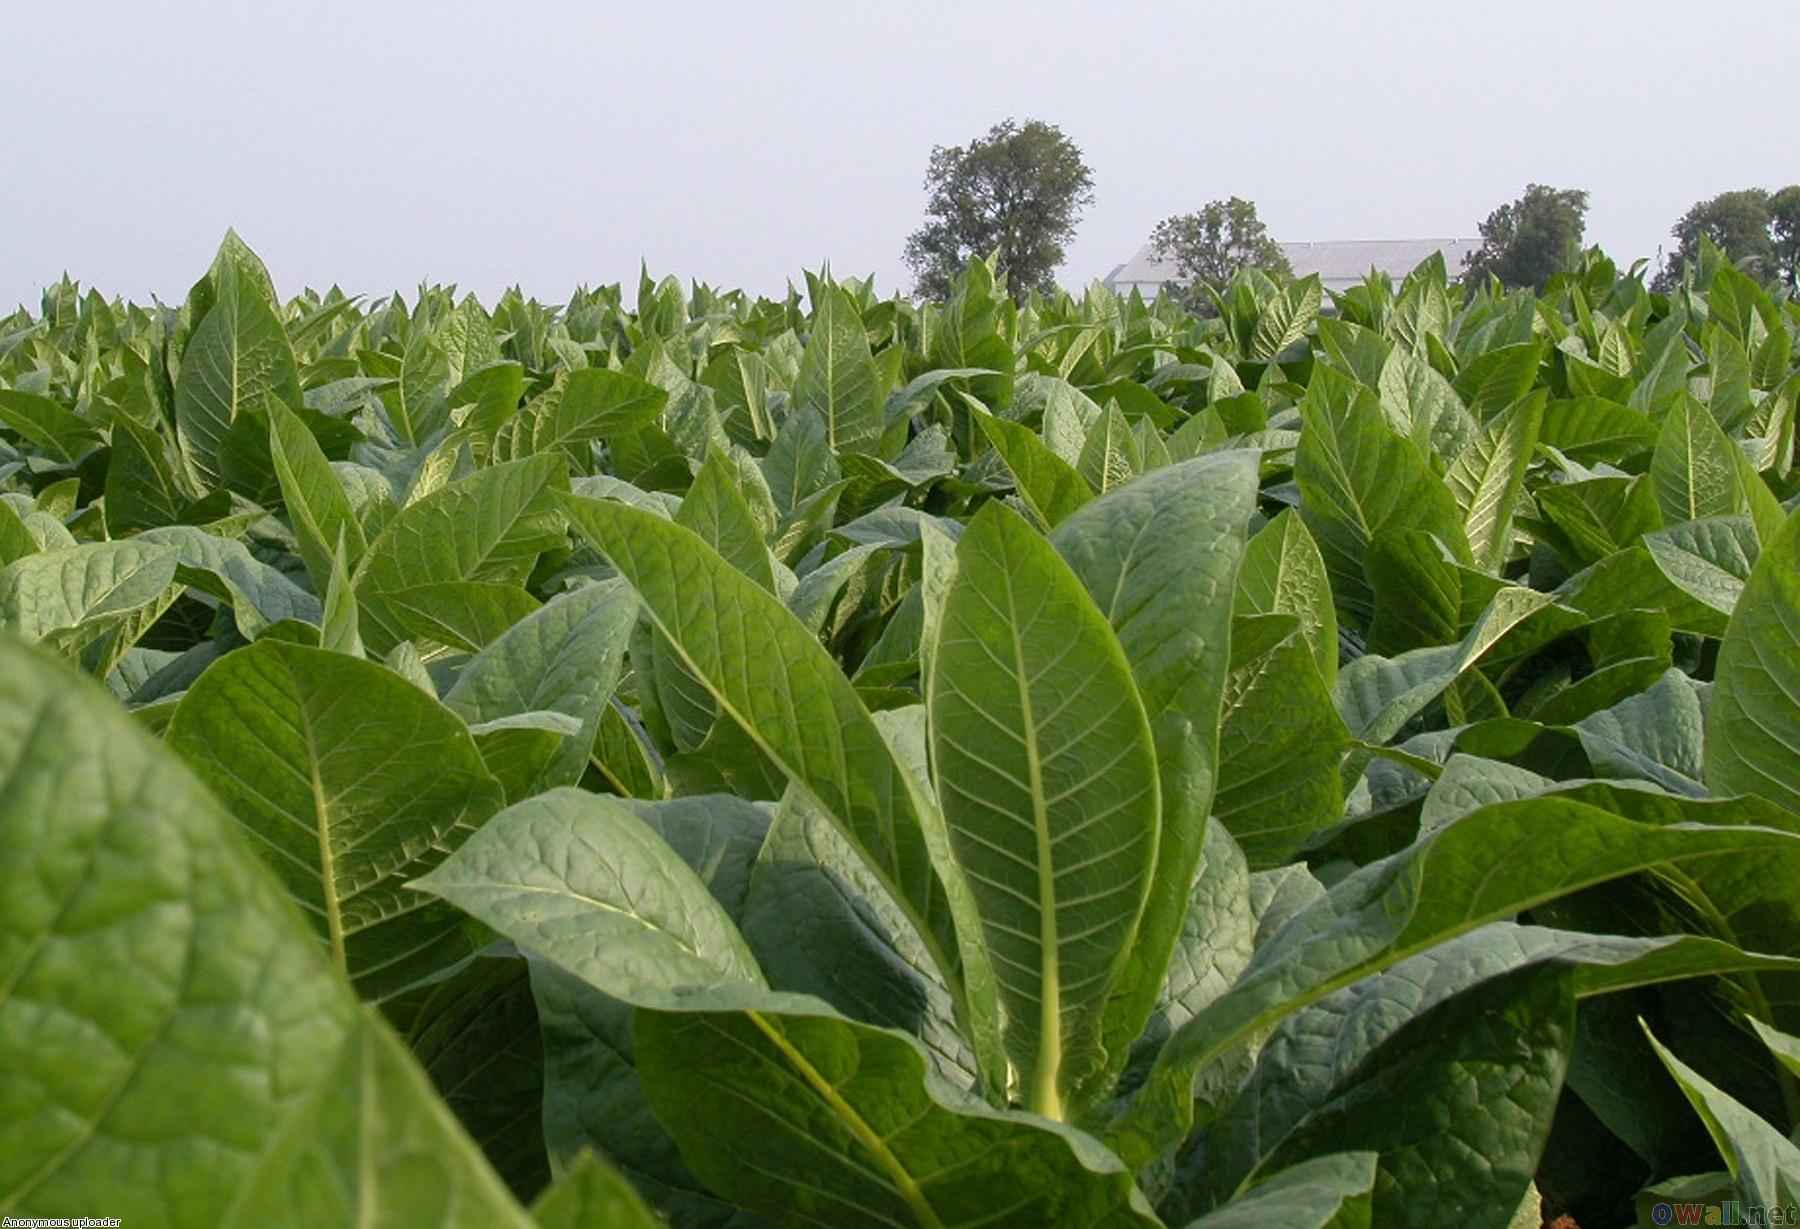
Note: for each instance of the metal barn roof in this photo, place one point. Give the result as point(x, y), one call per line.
point(1340, 263)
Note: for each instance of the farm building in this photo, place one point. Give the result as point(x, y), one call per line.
point(1340, 263)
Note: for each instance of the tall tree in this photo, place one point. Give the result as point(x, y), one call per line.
point(1758, 231)
point(1525, 242)
point(1018, 191)
point(1784, 227)
point(1209, 246)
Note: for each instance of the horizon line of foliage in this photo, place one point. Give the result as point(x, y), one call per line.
point(843, 759)
point(1016, 195)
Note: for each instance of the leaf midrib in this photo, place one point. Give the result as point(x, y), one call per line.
point(1045, 1098)
point(855, 1122)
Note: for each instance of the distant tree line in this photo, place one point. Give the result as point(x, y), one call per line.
point(1018, 193)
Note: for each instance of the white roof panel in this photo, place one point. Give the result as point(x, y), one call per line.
point(1334, 260)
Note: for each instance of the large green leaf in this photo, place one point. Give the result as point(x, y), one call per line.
point(1048, 486)
point(1285, 318)
point(1694, 469)
point(1487, 477)
point(820, 924)
point(590, 404)
point(1708, 559)
point(16, 538)
point(371, 1143)
point(59, 433)
point(1327, 1192)
point(142, 486)
point(462, 614)
point(1499, 377)
point(777, 682)
point(1215, 942)
point(1753, 728)
point(1479, 1075)
point(1159, 557)
point(1420, 404)
point(715, 509)
point(237, 362)
point(1764, 1164)
point(350, 781)
point(1591, 429)
point(592, 1095)
point(147, 958)
point(591, 1195)
point(1283, 573)
point(593, 1099)
point(1280, 740)
point(563, 658)
point(259, 595)
point(804, 1114)
point(837, 378)
point(1488, 865)
point(580, 879)
point(476, 1034)
point(1326, 1077)
point(1047, 777)
point(1110, 456)
point(1360, 481)
point(71, 596)
point(490, 526)
point(776, 1100)
point(801, 464)
point(317, 506)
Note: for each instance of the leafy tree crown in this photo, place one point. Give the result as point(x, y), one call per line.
point(1527, 241)
point(1208, 247)
point(1759, 231)
point(1018, 192)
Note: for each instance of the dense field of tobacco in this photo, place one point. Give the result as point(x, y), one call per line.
point(844, 761)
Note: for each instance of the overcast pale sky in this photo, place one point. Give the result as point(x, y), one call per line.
point(557, 143)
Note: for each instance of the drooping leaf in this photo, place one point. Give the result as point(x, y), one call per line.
point(1708, 559)
point(804, 715)
point(57, 432)
point(259, 595)
point(70, 597)
point(463, 614)
point(579, 879)
point(805, 1113)
point(151, 952)
point(1487, 865)
point(1764, 1163)
point(776, 1100)
point(1049, 486)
